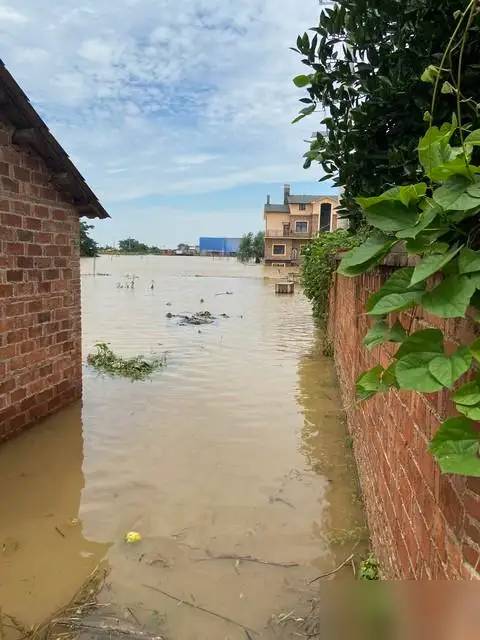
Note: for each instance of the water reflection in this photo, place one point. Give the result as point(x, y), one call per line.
point(44, 556)
point(326, 446)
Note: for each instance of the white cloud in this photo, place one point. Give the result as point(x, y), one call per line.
point(160, 96)
point(7, 14)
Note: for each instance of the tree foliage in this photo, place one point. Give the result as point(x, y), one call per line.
point(251, 247)
point(365, 61)
point(439, 221)
point(88, 246)
point(130, 245)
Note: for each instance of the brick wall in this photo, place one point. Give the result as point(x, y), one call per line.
point(424, 525)
point(40, 341)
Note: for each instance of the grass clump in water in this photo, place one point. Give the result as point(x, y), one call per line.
point(137, 368)
point(369, 569)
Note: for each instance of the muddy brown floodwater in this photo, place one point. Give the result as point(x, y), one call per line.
point(237, 448)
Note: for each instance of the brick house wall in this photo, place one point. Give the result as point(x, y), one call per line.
point(40, 339)
point(424, 525)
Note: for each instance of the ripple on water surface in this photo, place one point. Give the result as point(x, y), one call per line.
point(237, 447)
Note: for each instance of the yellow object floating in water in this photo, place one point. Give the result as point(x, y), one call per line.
point(132, 537)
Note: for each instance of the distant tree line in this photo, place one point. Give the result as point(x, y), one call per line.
point(130, 245)
point(252, 247)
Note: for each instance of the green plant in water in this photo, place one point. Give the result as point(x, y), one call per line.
point(369, 569)
point(137, 368)
point(438, 220)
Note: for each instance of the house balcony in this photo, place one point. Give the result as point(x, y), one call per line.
point(288, 233)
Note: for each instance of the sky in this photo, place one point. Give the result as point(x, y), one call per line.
point(177, 112)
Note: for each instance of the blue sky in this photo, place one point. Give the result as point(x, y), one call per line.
point(176, 112)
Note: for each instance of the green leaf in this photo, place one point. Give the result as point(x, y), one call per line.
point(380, 332)
point(450, 299)
point(468, 394)
point(434, 149)
point(390, 216)
point(456, 447)
point(453, 194)
point(413, 374)
point(424, 340)
point(475, 278)
point(424, 219)
point(430, 74)
point(447, 88)
point(398, 282)
point(472, 412)
point(303, 113)
point(448, 369)
point(473, 138)
point(396, 302)
point(371, 382)
point(475, 349)
point(365, 256)
point(406, 195)
point(457, 166)
point(468, 261)
point(301, 81)
point(431, 264)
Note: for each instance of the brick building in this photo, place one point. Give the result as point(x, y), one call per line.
point(42, 196)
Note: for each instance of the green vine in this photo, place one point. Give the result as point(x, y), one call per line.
point(318, 266)
point(438, 222)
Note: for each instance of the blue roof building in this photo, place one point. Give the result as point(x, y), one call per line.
point(219, 246)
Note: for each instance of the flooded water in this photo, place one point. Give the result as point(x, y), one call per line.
point(236, 448)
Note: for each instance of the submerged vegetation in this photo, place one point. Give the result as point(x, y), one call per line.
point(369, 569)
point(252, 247)
point(318, 266)
point(137, 368)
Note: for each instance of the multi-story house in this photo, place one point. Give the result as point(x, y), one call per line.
point(291, 225)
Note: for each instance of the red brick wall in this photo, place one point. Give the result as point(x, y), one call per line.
point(40, 341)
point(424, 525)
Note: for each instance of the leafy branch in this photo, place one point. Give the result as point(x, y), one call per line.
point(437, 221)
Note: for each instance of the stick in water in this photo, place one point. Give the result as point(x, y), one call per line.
point(194, 606)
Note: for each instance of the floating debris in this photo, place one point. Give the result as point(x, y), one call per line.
point(133, 537)
point(225, 293)
point(201, 317)
point(137, 368)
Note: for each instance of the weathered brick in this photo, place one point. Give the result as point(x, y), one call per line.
point(11, 220)
point(24, 236)
point(423, 525)
point(21, 174)
point(6, 290)
point(34, 250)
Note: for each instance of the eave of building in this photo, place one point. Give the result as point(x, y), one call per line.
point(31, 131)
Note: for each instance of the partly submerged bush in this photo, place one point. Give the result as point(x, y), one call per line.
point(369, 569)
point(137, 368)
point(318, 266)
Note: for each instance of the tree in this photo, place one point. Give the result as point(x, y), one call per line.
point(258, 246)
point(130, 245)
point(88, 246)
point(365, 62)
point(245, 250)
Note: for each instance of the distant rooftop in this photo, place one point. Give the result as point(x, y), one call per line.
point(289, 198)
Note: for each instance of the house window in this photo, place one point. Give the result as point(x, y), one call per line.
point(301, 226)
point(325, 216)
point(278, 249)
point(302, 206)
